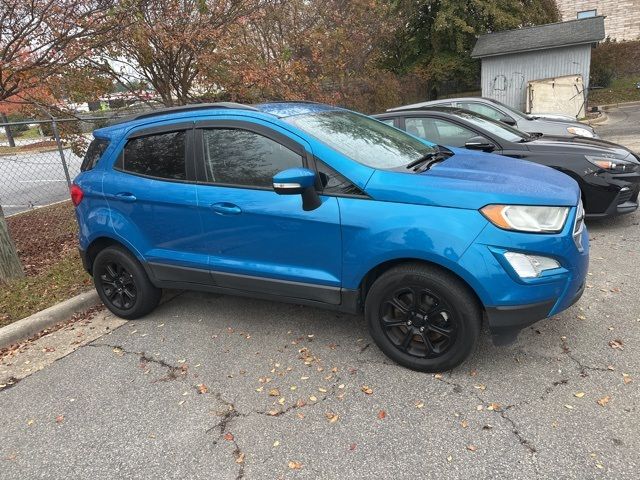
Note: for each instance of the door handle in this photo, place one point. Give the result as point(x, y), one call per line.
point(126, 197)
point(224, 208)
point(122, 196)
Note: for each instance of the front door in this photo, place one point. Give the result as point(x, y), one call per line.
point(257, 240)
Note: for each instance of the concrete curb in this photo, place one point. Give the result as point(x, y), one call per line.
point(616, 105)
point(598, 120)
point(25, 328)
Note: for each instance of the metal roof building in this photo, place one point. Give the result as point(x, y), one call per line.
point(513, 58)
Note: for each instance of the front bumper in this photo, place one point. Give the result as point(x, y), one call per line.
point(506, 322)
point(512, 303)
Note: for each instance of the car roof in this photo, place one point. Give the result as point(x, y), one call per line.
point(280, 109)
point(437, 109)
point(419, 105)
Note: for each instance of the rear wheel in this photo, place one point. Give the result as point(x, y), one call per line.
point(423, 317)
point(123, 285)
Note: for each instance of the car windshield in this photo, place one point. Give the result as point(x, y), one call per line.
point(363, 139)
point(494, 127)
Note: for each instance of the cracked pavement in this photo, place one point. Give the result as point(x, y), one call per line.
point(210, 386)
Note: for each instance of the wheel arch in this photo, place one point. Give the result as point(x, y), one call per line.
point(100, 243)
point(378, 270)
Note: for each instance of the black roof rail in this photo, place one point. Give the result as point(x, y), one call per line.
point(193, 107)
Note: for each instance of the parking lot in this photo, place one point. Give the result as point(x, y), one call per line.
point(223, 387)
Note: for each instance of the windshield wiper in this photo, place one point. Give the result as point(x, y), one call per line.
point(424, 163)
point(532, 136)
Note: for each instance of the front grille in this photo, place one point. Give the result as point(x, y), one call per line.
point(578, 227)
point(625, 195)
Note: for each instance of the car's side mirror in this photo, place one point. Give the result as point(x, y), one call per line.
point(508, 120)
point(298, 181)
point(479, 143)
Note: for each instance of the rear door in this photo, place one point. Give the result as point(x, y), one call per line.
point(151, 192)
point(258, 240)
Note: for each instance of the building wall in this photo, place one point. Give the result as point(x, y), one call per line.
point(623, 16)
point(505, 77)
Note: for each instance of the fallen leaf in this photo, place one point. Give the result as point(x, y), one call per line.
point(202, 388)
point(352, 446)
point(60, 419)
point(332, 417)
point(381, 415)
point(581, 317)
point(616, 344)
point(276, 443)
point(626, 378)
point(578, 394)
point(366, 390)
point(273, 413)
point(480, 386)
point(240, 457)
point(229, 436)
point(322, 390)
point(300, 403)
point(274, 392)
point(281, 401)
point(464, 424)
point(293, 465)
point(437, 376)
point(569, 407)
point(472, 448)
point(419, 404)
point(494, 407)
point(30, 422)
point(604, 400)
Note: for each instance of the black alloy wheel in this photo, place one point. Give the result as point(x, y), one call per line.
point(118, 286)
point(418, 322)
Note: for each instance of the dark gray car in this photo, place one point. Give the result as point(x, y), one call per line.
point(503, 113)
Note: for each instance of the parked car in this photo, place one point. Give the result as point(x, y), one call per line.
point(317, 205)
point(608, 174)
point(510, 116)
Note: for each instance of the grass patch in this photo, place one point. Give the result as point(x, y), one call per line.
point(621, 90)
point(46, 240)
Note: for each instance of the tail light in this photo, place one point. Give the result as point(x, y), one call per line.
point(76, 194)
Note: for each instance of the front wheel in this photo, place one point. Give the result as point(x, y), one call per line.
point(423, 318)
point(123, 285)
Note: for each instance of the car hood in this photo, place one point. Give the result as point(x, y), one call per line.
point(579, 145)
point(558, 117)
point(554, 127)
point(474, 179)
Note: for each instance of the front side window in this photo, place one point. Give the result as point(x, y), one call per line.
point(439, 131)
point(363, 139)
point(95, 150)
point(241, 157)
point(483, 110)
point(159, 155)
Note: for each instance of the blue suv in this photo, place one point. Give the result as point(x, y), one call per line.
point(317, 205)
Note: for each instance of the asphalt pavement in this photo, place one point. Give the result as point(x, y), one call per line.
point(622, 126)
point(210, 386)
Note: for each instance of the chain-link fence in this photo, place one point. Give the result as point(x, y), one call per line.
point(40, 158)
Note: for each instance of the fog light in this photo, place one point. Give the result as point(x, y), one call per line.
point(530, 266)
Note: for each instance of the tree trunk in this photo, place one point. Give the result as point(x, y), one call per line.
point(10, 266)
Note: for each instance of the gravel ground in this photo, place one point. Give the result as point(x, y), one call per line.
point(223, 387)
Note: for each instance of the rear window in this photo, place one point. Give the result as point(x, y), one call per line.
point(94, 152)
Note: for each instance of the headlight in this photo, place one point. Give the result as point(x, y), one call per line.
point(530, 266)
point(581, 132)
point(613, 165)
point(527, 218)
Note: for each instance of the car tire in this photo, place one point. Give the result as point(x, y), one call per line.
point(123, 284)
point(423, 317)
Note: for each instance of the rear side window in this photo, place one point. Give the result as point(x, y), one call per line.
point(94, 152)
point(160, 155)
point(240, 157)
